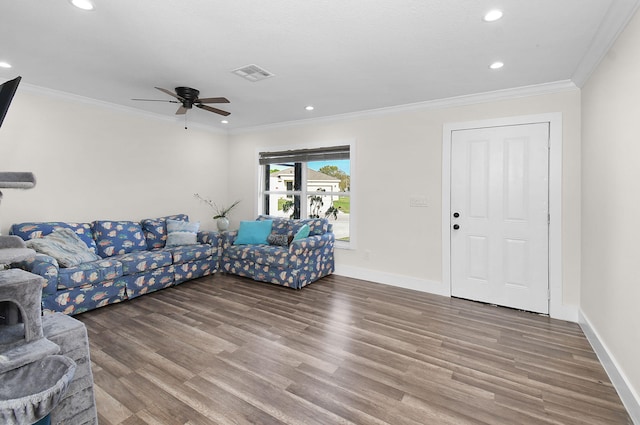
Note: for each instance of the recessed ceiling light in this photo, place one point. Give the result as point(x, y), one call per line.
point(224, 122)
point(83, 4)
point(493, 15)
point(496, 65)
point(5, 65)
point(309, 108)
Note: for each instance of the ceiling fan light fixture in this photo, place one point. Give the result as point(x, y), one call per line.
point(83, 4)
point(224, 122)
point(309, 108)
point(493, 15)
point(5, 65)
point(496, 65)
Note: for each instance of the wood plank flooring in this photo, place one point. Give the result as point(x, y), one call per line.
point(227, 350)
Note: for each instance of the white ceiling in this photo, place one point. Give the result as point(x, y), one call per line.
point(342, 56)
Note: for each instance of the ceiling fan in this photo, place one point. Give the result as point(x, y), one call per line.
point(188, 97)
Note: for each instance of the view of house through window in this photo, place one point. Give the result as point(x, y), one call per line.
point(322, 182)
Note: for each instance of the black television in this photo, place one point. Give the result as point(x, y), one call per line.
point(7, 90)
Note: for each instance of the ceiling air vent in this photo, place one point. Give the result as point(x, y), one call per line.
point(252, 73)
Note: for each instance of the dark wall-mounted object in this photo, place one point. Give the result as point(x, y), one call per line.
point(7, 90)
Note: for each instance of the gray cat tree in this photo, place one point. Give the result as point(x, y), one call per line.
point(45, 372)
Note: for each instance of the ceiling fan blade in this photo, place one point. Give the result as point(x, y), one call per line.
point(169, 92)
point(156, 100)
point(213, 100)
point(215, 110)
point(181, 110)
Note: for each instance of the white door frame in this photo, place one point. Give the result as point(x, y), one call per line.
point(556, 309)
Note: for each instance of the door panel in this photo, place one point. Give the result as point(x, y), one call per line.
point(499, 188)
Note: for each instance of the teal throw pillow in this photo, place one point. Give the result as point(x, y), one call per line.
point(302, 233)
point(253, 232)
point(182, 233)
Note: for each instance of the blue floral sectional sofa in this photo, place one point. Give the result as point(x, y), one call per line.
point(292, 263)
point(130, 259)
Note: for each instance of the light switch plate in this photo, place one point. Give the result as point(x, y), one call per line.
point(418, 201)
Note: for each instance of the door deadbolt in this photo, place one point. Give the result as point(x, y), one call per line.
point(456, 215)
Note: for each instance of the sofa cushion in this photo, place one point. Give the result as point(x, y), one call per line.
point(155, 229)
point(253, 232)
point(317, 226)
point(65, 246)
point(181, 233)
point(89, 273)
point(274, 256)
point(286, 226)
point(186, 253)
point(240, 252)
point(37, 230)
point(142, 261)
point(118, 237)
point(280, 226)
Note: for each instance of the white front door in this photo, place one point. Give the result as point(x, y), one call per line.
point(499, 215)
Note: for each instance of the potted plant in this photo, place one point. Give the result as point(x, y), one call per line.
point(220, 211)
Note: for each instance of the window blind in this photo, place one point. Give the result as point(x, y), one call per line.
point(305, 155)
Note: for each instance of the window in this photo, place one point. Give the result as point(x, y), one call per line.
point(321, 177)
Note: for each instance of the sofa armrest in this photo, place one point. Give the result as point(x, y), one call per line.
point(44, 266)
point(209, 237)
point(306, 246)
point(228, 237)
point(212, 238)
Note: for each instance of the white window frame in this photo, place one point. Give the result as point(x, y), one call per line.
point(351, 243)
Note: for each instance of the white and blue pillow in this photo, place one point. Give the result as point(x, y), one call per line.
point(182, 232)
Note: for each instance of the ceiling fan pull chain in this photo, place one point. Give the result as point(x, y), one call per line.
point(185, 121)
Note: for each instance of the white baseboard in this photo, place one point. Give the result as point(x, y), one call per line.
point(562, 312)
point(626, 392)
point(392, 279)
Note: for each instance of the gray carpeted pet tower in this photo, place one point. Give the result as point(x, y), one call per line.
point(45, 371)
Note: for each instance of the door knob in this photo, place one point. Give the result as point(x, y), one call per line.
point(456, 227)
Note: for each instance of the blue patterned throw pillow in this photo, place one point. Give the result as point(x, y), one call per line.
point(182, 233)
point(118, 237)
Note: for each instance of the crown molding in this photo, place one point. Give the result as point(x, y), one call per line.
point(30, 88)
point(471, 99)
point(618, 16)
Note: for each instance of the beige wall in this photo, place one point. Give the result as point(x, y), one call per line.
point(399, 155)
point(610, 295)
point(95, 162)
